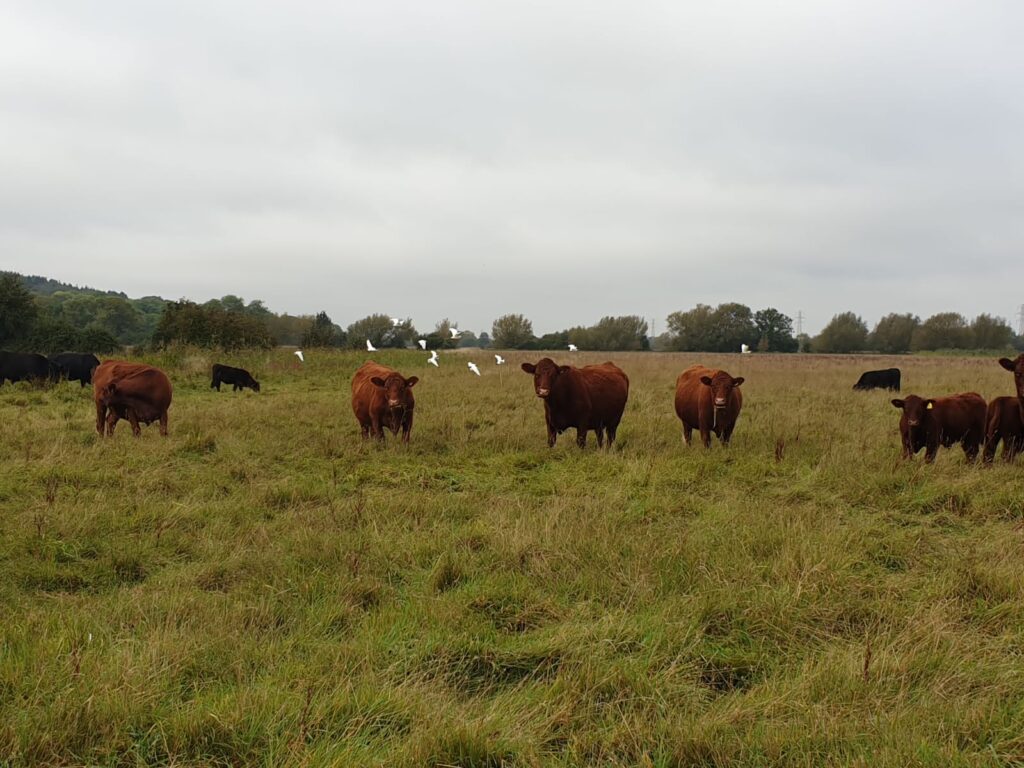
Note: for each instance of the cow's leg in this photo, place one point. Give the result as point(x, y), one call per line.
point(612, 431)
point(930, 450)
point(364, 429)
point(581, 437)
point(687, 433)
point(406, 428)
point(705, 433)
point(133, 419)
point(991, 443)
point(101, 417)
point(726, 435)
point(163, 423)
point(112, 419)
point(552, 432)
point(600, 436)
point(970, 446)
point(376, 428)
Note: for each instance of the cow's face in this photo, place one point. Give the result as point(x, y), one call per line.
point(915, 409)
point(395, 386)
point(722, 385)
point(544, 373)
point(255, 386)
point(1016, 367)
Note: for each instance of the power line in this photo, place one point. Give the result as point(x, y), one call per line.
point(800, 322)
point(1020, 321)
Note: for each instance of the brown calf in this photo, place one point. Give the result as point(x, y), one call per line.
point(1004, 422)
point(709, 400)
point(382, 397)
point(132, 391)
point(929, 423)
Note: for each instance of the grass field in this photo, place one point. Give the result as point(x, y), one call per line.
point(262, 587)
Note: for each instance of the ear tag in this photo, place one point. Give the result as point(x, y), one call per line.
point(930, 406)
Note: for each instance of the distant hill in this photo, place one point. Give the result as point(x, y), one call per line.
point(44, 286)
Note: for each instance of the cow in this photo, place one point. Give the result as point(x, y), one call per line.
point(75, 366)
point(589, 398)
point(709, 400)
point(1016, 367)
point(132, 391)
point(1004, 422)
point(930, 422)
point(26, 366)
point(887, 378)
point(382, 397)
point(239, 378)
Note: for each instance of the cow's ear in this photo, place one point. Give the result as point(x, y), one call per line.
point(530, 368)
point(563, 368)
point(378, 381)
point(1006, 362)
point(705, 380)
point(411, 381)
point(737, 381)
point(898, 403)
point(929, 404)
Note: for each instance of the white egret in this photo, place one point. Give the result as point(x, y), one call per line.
point(433, 358)
point(499, 360)
point(423, 343)
point(473, 368)
point(298, 354)
point(370, 347)
point(573, 348)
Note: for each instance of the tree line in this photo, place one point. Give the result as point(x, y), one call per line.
point(47, 316)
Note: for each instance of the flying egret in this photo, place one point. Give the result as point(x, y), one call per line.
point(423, 343)
point(298, 354)
point(370, 347)
point(744, 349)
point(573, 348)
point(454, 332)
point(433, 358)
point(499, 360)
point(473, 368)
point(396, 321)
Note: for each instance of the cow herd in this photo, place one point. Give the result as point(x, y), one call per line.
point(589, 398)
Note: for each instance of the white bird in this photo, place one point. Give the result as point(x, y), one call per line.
point(573, 348)
point(396, 321)
point(744, 349)
point(499, 360)
point(370, 347)
point(433, 358)
point(423, 343)
point(454, 332)
point(298, 354)
point(473, 368)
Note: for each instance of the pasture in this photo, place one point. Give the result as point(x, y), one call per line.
point(262, 587)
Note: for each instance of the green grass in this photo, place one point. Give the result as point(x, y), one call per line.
point(262, 587)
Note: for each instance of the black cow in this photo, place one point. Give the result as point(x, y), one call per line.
point(26, 366)
point(239, 378)
point(888, 378)
point(75, 366)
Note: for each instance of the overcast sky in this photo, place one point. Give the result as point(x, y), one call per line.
point(566, 160)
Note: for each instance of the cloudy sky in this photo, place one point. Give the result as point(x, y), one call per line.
point(566, 160)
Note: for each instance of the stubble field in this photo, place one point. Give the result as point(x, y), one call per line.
point(262, 587)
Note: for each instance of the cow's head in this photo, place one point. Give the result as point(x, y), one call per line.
point(722, 385)
point(255, 386)
point(1016, 367)
point(108, 393)
point(544, 373)
point(915, 409)
point(395, 387)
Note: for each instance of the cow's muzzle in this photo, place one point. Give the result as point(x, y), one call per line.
point(395, 403)
point(719, 402)
point(543, 392)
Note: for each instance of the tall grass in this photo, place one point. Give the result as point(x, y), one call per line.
point(262, 587)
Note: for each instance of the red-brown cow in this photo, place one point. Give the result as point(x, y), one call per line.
point(382, 397)
point(709, 400)
point(591, 397)
point(1016, 367)
point(1005, 422)
point(132, 391)
point(930, 422)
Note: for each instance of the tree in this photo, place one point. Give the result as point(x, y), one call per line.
point(893, 333)
point(692, 331)
point(441, 337)
point(776, 331)
point(733, 327)
point(945, 330)
point(209, 325)
point(511, 332)
point(628, 332)
point(845, 333)
point(323, 333)
point(17, 309)
point(989, 332)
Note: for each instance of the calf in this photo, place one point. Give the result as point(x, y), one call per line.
point(382, 397)
point(239, 378)
point(131, 391)
point(589, 398)
point(1004, 422)
point(887, 378)
point(709, 400)
point(929, 423)
point(75, 366)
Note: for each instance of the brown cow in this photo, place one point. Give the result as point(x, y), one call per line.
point(929, 423)
point(709, 400)
point(591, 397)
point(382, 397)
point(131, 391)
point(1004, 421)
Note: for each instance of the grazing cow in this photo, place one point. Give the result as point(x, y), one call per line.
point(709, 400)
point(239, 378)
point(74, 366)
point(591, 397)
point(1005, 422)
point(382, 397)
point(929, 423)
point(1016, 367)
point(887, 378)
point(131, 391)
point(26, 366)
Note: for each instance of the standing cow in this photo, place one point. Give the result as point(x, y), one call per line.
point(75, 366)
point(709, 400)
point(591, 397)
point(1004, 422)
point(382, 397)
point(238, 378)
point(887, 378)
point(131, 391)
point(26, 366)
point(946, 421)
